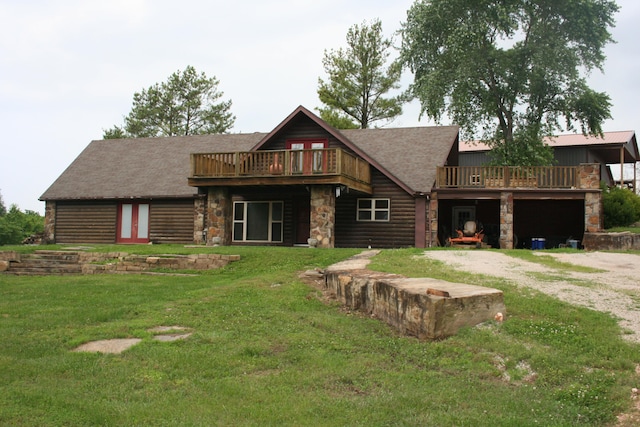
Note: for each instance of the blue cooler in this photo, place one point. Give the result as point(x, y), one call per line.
point(538, 243)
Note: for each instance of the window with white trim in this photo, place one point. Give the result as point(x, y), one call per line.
point(373, 210)
point(257, 221)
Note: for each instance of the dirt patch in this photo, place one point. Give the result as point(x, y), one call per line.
point(615, 291)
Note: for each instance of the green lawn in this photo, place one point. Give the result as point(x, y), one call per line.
point(266, 351)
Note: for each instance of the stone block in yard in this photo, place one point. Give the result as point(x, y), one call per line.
point(426, 308)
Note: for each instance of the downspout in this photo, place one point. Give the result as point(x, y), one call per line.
point(420, 220)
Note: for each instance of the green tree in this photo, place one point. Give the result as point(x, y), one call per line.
point(509, 69)
point(188, 103)
point(336, 119)
point(15, 225)
point(359, 79)
point(115, 132)
point(3, 208)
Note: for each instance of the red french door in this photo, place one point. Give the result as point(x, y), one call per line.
point(307, 162)
point(133, 223)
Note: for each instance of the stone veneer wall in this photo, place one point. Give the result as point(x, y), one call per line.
point(199, 216)
point(589, 176)
point(593, 218)
point(49, 222)
point(590, 180)
point(506, 220)
point(219, 216)
point(323, 213)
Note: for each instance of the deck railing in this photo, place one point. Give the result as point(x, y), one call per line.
point(287, 163)
point(507, 177)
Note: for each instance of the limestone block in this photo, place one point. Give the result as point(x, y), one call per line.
point(418, 307)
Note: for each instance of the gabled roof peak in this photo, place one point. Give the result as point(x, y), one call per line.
point(300, 110)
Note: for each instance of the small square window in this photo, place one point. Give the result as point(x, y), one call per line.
point(373, 210)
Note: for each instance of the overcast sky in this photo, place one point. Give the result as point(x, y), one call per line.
point(69, 69)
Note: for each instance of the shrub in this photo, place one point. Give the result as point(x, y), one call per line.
point(15, 225)
point(621, 207)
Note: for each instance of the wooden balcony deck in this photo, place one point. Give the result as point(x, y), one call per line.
point(281, 167)
point(522, 177)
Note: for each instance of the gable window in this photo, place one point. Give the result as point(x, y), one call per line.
point(373, 210)
point(257, 221)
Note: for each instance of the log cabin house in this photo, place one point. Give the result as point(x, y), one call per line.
point(306, 183)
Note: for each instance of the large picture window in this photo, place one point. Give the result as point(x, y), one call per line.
point(373, 210)
point(257, 221)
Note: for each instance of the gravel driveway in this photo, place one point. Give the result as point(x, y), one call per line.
point(615, 291)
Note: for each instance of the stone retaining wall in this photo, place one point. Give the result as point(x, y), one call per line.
point(9, 255)
point(93, 263)
point(122, 262)
point(623, 241)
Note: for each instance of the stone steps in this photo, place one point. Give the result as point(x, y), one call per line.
point(44, 262)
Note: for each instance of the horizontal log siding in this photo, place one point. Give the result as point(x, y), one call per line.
point(86, 222)
point(398, 232)
point(171, 221)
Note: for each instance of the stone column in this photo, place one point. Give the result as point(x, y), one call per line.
point(592, 212)
point(433, 221)
point(219, 212)
point(589, 176)
point(198, 221)
point(323, 212)
point(506, 220)
point(49, 222)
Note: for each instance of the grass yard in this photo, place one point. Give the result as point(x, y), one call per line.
point(266, 350)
